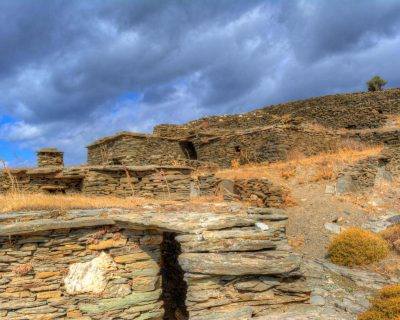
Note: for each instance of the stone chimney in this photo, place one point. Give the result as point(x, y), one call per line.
point(50, 157)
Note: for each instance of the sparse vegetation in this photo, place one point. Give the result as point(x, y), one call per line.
point(355, 247)
point(392, 235)
point(385, 306)
point(376, 83)
point(323, 166)
point(40, 201)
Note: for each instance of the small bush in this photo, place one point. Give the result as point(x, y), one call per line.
point(385, 306)
point(376, 83)
point(354, 247)
point(392, 235)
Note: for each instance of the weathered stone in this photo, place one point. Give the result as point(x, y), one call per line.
point(107, 244)
point(135, 298)
point(262, 263)
point(89, 276)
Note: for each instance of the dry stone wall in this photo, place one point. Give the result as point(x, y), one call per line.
point(144, 181)
point(135, 149)
point(97, 264)
point(261, 192)
point(165, 183)
point(86, 273)
point(268, 144)
point(241, 272)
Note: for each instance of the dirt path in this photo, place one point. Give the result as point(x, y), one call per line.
point(315, 208)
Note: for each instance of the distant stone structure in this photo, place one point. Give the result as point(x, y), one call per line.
point(135, 149)
point(50, 157)
point(161, 163)
point(270, 134)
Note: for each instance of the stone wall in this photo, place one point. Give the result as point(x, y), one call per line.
point(166, 183)
point(86, 273)
point(261, 192)
point(266, 144)
point(241, 272)
point(135, 149)
point(50, 179)
point(143, 181)
point(106, 264)
point(364, 174)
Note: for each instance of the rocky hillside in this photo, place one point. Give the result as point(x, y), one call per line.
point(341, 111)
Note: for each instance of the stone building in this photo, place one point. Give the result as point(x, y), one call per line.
point(130, 148)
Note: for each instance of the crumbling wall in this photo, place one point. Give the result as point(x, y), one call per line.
point(267, 144)
point(261, 192)
point(86, 273)
point(135, 149)
point(364, 174)
point(148, 181)
point(52, 180)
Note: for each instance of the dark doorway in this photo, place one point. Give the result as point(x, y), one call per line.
point(173, 284)
point(189, 149)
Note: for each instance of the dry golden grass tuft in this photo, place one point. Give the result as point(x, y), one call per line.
point(356, 247)
point(324, 166)
point(385, 306)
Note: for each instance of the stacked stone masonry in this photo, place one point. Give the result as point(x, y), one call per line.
point(146, 181)
point(50, 157)
point(112, 264)
point(137, 149)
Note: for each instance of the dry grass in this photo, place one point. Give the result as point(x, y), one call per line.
point(356, 247)
point(385, 306)
point(393, 121)
point(38, 201)
point(392, 235)
point(323, 166)
point(19, 201)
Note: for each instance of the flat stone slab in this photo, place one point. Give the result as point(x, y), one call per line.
point(17, 223)
point(254, 263)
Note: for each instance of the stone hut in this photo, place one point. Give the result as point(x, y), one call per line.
point(142, 264)
point(130, 148)
point(50, 157)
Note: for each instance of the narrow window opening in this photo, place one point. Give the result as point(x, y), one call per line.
point(189, 149)
point(116, 162)
point(238, 149)
point(173, 284)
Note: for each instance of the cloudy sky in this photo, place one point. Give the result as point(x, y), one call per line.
point(72, 71)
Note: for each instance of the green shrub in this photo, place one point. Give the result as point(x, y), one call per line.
point(354, 247)
point(376, 83)
point(385, 306)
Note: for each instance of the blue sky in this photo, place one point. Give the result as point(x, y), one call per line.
point(72, 71)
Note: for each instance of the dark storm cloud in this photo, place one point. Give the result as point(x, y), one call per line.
point(319, 29)
point(71, 71)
